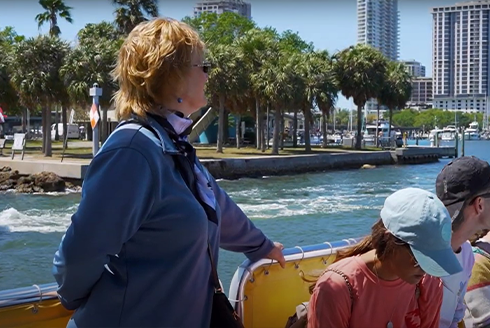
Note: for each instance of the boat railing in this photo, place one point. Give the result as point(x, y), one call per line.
point(32, 294)
point(264, 294)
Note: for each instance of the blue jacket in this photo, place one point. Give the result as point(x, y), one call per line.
point(135, 254)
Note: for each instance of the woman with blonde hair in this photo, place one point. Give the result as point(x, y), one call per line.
point(142, 247)
point(384, 282)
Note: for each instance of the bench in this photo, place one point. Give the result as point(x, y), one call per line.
point(2, 145)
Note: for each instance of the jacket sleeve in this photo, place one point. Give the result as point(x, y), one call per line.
point(238, 233)
point(116, 198)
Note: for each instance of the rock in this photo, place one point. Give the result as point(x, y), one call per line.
point(40, 182)
point(25, 185)
point(49, 182)
point(368, 166)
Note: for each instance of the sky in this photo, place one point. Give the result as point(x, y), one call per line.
point(329, 24)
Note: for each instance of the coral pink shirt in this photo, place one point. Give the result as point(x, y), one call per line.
point(375, 303)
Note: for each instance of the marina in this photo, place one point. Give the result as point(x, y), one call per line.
point(322, 207)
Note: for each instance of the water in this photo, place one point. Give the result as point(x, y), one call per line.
point(295, 210)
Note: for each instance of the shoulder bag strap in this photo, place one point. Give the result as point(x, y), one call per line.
point(214, 273)
point(347, 282)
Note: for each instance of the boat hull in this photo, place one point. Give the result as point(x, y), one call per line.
point(263, 293)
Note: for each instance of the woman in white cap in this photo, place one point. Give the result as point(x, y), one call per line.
point(389, 280)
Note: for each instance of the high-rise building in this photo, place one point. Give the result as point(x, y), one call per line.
point(220, 6)
point(414, 68)
point(378, 26)
point(421, 91)
point(460, 56)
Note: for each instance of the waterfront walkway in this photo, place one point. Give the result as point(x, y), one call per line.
point(252, 166)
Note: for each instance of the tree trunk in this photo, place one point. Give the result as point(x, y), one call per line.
point(267, 127)
point(48, 152)
point(226, 127)
point(377, 125)
point(262, 134)
point(324, 130)
point(391, 120)
point(359, 127)
point(56, 121)
point(277, 135)
point(45, 130)
point(238, 130)
point(307, 112)
point(282, 130)
point(64, 117)
point(221, 124)
point(295, 128)
point(104, 125)
point(257, 123)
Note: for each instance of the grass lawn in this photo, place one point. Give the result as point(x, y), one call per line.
point(33, 149)
point(209, 152)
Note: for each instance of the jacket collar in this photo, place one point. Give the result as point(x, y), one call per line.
point(168, 145)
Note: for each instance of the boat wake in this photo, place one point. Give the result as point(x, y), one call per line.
point(34, 220)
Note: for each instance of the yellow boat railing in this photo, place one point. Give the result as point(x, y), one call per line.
point(263, 293)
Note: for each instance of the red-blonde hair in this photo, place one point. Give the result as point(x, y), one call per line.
point(152, 64)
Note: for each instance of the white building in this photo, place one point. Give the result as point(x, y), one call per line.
point(221, 6)
point(460, 54)
point(378, 26)
point(414, 68)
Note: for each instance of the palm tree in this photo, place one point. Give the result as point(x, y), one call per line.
point(326, 91)
point(397, 88)
point(8, 95)
point(275, 79)
point(257, 46)
point(132, 12)
point(92, 60)
point(53, 9)
point(35, 64)
point(360, 72)
point(221, 79)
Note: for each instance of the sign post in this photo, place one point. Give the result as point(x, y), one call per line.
point(95, 93)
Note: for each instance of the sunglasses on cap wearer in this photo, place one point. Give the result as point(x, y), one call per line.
point(206, 66)
point(400, 242)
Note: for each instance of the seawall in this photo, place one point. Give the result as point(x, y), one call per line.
point(233, 168)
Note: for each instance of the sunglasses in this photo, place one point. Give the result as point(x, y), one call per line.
point(206, 67)
point(407, 247)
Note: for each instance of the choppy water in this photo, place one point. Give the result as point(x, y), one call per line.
point(295, 210)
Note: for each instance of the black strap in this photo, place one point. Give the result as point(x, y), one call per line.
point(214, 273)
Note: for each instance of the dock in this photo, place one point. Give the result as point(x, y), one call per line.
point(258, 166)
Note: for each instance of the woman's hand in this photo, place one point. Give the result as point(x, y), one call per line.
point(276, 254)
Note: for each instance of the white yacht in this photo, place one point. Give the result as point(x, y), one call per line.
point(370, 132)
point(434, 132)
point(472, 132)
point(449, 133)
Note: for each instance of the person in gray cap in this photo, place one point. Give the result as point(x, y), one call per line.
point(463, 186)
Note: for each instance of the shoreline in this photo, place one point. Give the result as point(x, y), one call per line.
point(258, 166)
